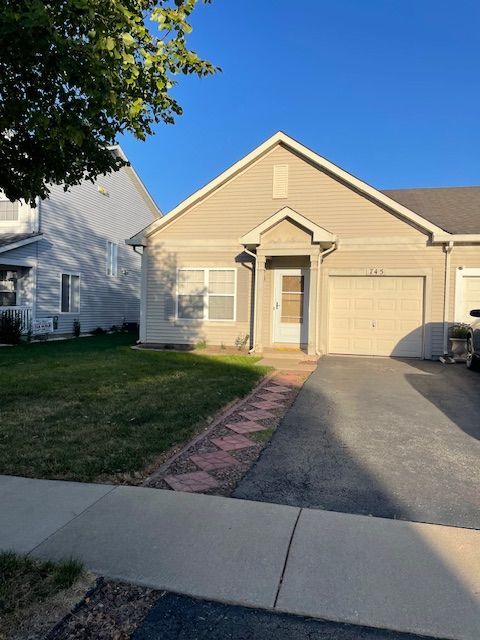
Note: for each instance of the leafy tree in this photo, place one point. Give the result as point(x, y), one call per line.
point(76, 73)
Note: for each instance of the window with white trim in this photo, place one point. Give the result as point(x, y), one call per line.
point(8, 288)
point(206, 294)
point(112, 258)
point(9, 210)
point(70, 293)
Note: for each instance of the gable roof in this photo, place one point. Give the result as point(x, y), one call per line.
point(142, 190)
point(454, 209)
point(280, 138)
point(9, 241)
point(319, 234)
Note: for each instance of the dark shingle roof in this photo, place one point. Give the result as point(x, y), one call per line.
point(12, 238)
point(454, 209)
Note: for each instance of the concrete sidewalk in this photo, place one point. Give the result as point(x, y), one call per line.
point(412, 577)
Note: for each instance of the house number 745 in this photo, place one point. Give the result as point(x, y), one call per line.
point(375, 271)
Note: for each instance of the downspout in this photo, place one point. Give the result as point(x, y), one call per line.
point(143, 294)
point(446, 297)
point(321, 257)
point(254, 256)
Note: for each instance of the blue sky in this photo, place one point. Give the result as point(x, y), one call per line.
point(387, 89)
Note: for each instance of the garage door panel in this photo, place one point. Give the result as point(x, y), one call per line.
point(362, 283)
point(386, 316)
point(363, 304)
point(470, 296)
point(386, 305)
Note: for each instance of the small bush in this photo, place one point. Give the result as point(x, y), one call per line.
point(98, 331)
point(201, 344)
point(114, 328)
point(10, 328)
point(76, 327)
point(241, 341)
point(459, 331)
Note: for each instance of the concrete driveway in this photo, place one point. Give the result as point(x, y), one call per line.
point(385, 437)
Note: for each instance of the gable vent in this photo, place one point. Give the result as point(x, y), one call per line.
point(280, 181)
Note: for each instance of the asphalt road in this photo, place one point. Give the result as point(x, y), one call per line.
point(176, 617)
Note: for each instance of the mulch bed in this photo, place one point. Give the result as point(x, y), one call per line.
point(110, 611)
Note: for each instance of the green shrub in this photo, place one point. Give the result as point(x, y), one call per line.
point(76, 327)
point(10, 328)
point(459, 331)
point(98, 331)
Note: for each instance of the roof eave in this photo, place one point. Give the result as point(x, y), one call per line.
point(21, 243)
point(312, 156)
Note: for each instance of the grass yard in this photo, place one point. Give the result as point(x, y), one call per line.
point(92, 408)
point(26, 585)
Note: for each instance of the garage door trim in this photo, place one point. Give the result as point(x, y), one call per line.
point(426, 274)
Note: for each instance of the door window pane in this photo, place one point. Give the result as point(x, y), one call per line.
point(293, 284)
point(292, 299)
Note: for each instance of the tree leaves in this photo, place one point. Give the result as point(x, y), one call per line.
point(76, 73)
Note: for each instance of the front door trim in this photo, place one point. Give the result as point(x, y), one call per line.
point(281, 334)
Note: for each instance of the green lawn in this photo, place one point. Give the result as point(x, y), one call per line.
point(24, 580)
point(92, 407)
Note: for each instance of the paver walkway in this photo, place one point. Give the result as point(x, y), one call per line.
point(252, 415)
point(412, 577)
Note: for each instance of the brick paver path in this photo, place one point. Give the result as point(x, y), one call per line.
point(232, 443)
point(247, 426)
point(213, 460)
point(271, 398)
point(192, 482)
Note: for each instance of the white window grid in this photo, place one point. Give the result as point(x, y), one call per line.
point(206, 294)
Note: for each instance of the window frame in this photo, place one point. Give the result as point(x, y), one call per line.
point(206, 295)
point(17, 290)
point(109, 253)
point(70, 274)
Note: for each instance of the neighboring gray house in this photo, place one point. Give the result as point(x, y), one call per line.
point(66, 259)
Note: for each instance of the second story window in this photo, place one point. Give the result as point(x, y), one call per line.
point(112, 258)
point(8, 210)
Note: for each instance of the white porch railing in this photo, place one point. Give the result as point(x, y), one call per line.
point(24, 313)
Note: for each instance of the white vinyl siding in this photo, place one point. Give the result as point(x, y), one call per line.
point(112, 258)
point(206, 294)
point(70, 293)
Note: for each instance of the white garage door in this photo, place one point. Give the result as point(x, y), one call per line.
point(378, 316)
point(470, 297)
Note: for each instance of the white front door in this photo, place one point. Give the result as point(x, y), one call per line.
point(290, 306)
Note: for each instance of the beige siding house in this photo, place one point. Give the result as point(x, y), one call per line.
point(287, 250)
